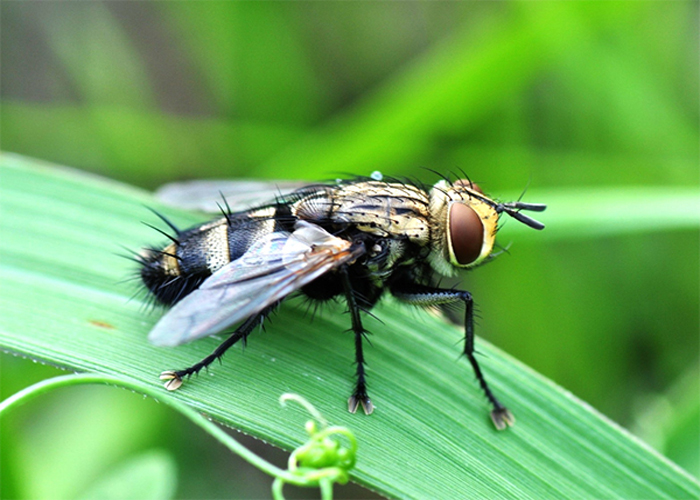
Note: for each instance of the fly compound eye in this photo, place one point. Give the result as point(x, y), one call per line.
point(466, 234)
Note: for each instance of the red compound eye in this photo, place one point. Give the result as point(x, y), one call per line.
point(466, 233)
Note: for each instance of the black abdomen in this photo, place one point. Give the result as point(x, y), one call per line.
point(181, 267)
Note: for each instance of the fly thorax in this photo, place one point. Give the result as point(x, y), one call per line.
point(315, 206)
point(386, 210)
point(463, 223)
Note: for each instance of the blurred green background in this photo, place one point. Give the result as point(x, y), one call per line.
point(564, 97)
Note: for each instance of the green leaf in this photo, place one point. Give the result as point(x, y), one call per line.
point(63, 300)
point(148, 476)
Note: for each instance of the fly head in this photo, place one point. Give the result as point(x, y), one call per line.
point(464, 222)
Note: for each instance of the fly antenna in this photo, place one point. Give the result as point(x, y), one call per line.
point(513, 209)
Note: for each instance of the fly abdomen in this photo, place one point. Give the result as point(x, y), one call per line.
point(246, 228)
point(196, 254)
point(162, 275)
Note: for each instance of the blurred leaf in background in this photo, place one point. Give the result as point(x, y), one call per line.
point(557, 96)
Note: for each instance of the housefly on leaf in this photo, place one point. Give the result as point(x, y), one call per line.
point(355, 239)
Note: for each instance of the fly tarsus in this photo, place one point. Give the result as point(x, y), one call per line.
point(173, 379)
point(360, 398)
point(359, 394)
point(502, 418)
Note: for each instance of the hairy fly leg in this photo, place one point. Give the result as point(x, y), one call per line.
point(421, 295)
point(173, 378)
point(359, 394)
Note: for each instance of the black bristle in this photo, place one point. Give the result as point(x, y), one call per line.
point(170, 237)
point(166, 220)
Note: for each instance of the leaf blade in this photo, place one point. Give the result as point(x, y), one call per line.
point(430, 435)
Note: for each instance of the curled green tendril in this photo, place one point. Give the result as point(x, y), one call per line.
point(323, 460)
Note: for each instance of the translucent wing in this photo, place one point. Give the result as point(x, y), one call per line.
point(271, 269)
point(205, 195)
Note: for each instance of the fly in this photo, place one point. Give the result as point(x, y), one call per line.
point(356, 239)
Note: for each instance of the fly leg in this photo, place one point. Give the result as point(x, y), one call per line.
point(420, 295)
point(359, 394)
point(173, 378)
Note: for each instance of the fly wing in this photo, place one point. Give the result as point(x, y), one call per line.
point(206, 195)
point(271, 269)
